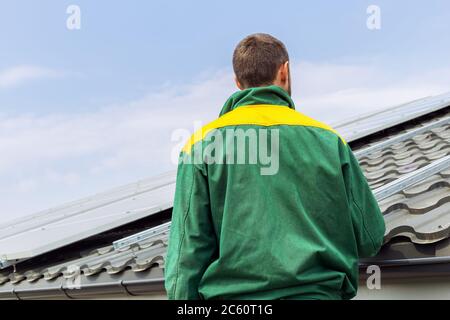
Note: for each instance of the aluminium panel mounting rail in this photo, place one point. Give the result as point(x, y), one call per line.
point(412, 178)
point(400, 138)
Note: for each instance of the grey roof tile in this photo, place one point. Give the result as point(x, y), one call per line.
point(387, 165)
point(430, 227)
point(420, 212)
point(139, 258)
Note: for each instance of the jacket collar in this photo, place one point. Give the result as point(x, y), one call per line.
point(271, 95)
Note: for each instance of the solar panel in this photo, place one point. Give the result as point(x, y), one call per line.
point(51, 229)
point(365, 125)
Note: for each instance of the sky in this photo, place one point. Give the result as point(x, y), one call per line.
point(86, 109)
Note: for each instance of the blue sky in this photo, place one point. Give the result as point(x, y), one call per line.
point(85, 110)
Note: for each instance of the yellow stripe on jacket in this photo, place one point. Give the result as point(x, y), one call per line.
point(259, 115)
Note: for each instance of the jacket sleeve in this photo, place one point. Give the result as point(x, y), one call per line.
point(192, 241)
point(368, 221)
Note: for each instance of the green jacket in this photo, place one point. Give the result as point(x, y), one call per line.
point(295, 231)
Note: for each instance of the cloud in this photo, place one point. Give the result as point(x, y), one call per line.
point(338, 92)
point(56, 158)
point(19, 75)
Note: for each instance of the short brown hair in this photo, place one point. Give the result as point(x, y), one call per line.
point(257, 58)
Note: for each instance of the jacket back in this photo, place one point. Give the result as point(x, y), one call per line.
point(270, 204)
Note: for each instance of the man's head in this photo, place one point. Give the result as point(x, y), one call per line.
point(261, 60)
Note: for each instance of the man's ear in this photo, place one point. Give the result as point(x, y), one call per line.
point(283, 77)
point(284, 72)
point(238, 84)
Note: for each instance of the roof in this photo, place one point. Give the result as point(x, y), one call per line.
point(417, 218)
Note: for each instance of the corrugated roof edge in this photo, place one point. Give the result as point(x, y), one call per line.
point(126, 284)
